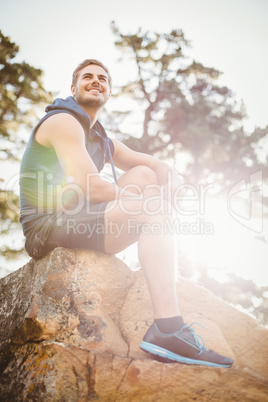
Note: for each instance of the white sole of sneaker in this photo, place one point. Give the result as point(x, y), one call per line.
point(157, 350)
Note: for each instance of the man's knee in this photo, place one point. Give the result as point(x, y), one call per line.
point(148, 174)
point(147, 178)
point(140, 179)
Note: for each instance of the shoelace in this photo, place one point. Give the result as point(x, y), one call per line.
point(199, 340)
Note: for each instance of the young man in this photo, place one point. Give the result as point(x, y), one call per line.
point(66, 202)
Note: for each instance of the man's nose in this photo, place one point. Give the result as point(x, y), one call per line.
point(95, 80)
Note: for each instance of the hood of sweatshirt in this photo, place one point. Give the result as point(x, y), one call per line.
point(69, 105)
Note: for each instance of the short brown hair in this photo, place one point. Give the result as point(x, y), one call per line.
point(87, 62)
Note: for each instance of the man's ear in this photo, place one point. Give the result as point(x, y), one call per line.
point(73, 89)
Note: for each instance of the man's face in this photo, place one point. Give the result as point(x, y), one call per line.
point(92, 88)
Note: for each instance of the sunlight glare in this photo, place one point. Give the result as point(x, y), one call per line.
point(231, 248)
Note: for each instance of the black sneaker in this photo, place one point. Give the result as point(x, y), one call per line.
point(183, 346)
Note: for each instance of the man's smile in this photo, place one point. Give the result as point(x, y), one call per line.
point(94, 89)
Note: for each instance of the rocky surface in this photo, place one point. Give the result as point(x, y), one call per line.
point(71, 325)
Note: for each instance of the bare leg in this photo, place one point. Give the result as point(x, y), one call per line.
point(156, 249)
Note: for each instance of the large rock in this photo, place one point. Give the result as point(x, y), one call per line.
point(71, 325)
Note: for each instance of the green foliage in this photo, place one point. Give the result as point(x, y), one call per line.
point(241, 293)
point(9, 206)
point(21, 90)
point(21, 87)
point(185, 110)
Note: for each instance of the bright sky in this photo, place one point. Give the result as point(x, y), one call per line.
point(230, 35)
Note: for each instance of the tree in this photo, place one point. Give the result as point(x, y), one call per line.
point(184, 110)
point(21, 88)
point(239, 292)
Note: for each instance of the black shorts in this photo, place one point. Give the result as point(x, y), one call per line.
point(82, 229)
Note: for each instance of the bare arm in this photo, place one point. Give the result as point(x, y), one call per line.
point(64, 133)
point(125, 159)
